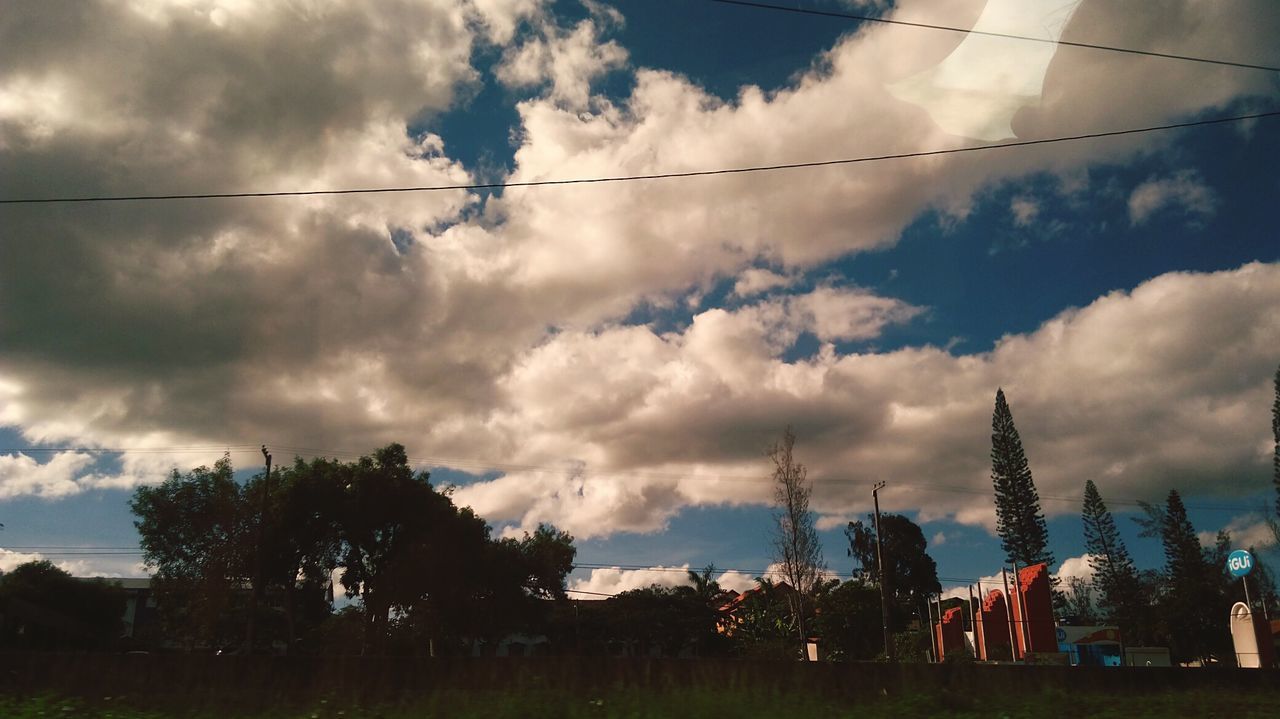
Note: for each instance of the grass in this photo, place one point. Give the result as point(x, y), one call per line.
point(696, 704)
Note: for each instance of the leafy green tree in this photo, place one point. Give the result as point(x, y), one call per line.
point(548, 556)
point(848, 621)
point(195, 535)
point(58, 611)
point(706, 589)
point(1019, 521)
point(405, 546)
point(912, 573)
point(425, 571)
point(1080, 603)
point(302, 541)
point(653, 620)
point(764, 622)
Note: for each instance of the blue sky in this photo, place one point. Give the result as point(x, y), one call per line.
point(632, 344)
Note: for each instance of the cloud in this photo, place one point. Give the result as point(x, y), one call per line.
point(827, 522)
point(22, 475)
point(987, 583)
point(1075, 568)
point(110, 567)
point(1246, 530)
point(565, 59)
point(1183, 191)
point(754, 280)
point(613, 580)
point(1024, 211)
point(495, 329)
point(1184, 406)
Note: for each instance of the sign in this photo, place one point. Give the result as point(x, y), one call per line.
point(1239, 563)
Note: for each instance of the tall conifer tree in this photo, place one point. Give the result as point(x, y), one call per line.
point(1191, 603)
point(1275, 457)
point(1019, 521)
point(1115, 576)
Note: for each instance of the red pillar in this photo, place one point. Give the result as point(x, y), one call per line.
point(992, 636)
point(951, 631)
point(1033, 610)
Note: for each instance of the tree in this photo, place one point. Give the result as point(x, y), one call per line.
point(706, 589)
point(848, 620)
point(58, 611)
point(1191, 603)
point(302, 543)
point(405, 546)
point(194, 531)
point(1275, 457)
point(912, 573)
point(1019, 521)
point(764, 622)
point(1080, 604)
point(795, 539)
point(1115, 575)
point(1264, 583)
point(424, 570)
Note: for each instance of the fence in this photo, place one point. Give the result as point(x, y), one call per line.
point(196, 679)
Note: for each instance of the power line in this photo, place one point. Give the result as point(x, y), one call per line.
point(133, 450)
point(1007, 36)
point(594, 594)
point(637, 178)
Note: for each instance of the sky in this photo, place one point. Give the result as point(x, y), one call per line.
point(616, 358)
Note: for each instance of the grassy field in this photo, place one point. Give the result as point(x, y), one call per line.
point(696, 704)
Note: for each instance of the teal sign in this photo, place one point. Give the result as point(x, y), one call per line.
point(1239, 563)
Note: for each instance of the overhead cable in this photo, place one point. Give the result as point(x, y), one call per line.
point(647, 177)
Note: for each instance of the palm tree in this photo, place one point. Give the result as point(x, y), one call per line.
point(705, 588)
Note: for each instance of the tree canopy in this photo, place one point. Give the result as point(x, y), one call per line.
point(912, 573)
point(47, 608)
point(413, 560)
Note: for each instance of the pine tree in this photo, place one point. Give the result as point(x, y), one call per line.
point(1190, 604)
point(1019, 521)
point(1275, 458)
point(1115, 576)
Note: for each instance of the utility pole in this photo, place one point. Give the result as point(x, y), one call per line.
point(257, 554)
point(884, 578)
point(1008, 603)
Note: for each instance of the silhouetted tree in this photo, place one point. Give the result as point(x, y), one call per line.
point(912, 573)
point(1079, 601)
point(47, 608)
point(796, 548)
point(764, 622)
point(195, 534)
point(1019, 521)
point(1115, 576)
point(848, 620)
point(1192, 604)
point(1275, 457)
point(422, 568)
